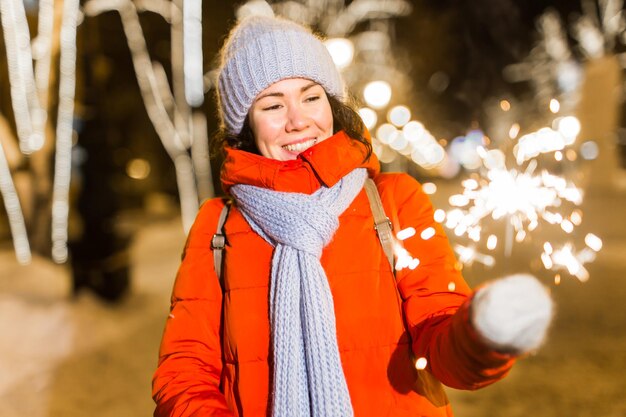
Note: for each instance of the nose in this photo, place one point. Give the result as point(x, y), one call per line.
point(297, 119)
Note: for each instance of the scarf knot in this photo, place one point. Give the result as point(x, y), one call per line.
point(308, 378)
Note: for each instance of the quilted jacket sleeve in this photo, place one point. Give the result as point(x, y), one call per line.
point(186, 382)
point(436, 298)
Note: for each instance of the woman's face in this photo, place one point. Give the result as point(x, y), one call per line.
point(290, 116)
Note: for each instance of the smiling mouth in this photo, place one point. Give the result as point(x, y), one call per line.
point(301, 146)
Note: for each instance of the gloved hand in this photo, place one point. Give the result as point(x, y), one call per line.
point(512, 314)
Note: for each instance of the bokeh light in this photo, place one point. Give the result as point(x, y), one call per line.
point(377, 94)
point(369, 117)
point(399, 115)
point(341, 50)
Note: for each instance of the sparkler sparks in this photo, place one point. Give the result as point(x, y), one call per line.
point(467, 255)
point(567, 258)
point(523, 200)
point(521, 197)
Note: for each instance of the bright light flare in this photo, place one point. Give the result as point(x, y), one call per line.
point(377, 94)
point(399, 115)
point(421, 363)
point(567, 226)
point(467, 255)
point(439, 216)
point(369, 117)
point(555, 106)
point(593, 241)
point(386, 133)
point(138, 169)
point(427, 233)
point(406, 233)
point(564, 133)
point(566, 258)
point(341, 50)
point(429, 188)
point(589, 150)
point(569, 127)
point(521, 199)
point(404, 258)
point(254, 8)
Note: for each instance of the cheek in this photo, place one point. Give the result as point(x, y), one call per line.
point(326, 120)
point(266, 132)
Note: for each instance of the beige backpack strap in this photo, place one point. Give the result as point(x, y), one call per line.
point(219, 241)
point(382, 224)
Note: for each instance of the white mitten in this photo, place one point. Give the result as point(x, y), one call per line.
point(512, 314)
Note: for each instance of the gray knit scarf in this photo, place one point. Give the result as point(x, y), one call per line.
point(308, 378)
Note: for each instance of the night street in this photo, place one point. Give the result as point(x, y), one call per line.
point(136, 179)
point(62, 357)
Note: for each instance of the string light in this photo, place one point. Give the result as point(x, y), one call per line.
point(20, 68)
point(151, 83)
point(14, 211)
point(192, 47)
point(42, 54)
point(64, 132)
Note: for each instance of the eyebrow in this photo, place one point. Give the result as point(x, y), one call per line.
point(280, 94)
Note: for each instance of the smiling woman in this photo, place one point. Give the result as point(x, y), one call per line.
point(307, 315)
point(289, 117)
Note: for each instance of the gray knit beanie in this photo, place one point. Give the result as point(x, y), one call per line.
point(262, 50)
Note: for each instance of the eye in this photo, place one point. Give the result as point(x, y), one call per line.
point(312, 98)
point(272, 107)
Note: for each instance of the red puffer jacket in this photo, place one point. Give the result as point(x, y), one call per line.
point(215, 357)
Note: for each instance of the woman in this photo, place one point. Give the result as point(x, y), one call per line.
point(307, 317)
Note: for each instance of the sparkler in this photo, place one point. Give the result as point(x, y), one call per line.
point(522, 199)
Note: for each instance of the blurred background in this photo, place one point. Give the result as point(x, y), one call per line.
point(511, 114)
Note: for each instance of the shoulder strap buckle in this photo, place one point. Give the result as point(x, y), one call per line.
point(383, 223)
point(218, 241)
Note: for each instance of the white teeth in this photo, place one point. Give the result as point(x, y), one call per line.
point(299, 147)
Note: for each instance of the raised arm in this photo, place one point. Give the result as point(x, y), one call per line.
point(436, 298)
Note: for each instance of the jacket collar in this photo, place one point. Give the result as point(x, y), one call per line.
point(322, 164)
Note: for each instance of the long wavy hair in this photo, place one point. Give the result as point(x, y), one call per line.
point(345, 118)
